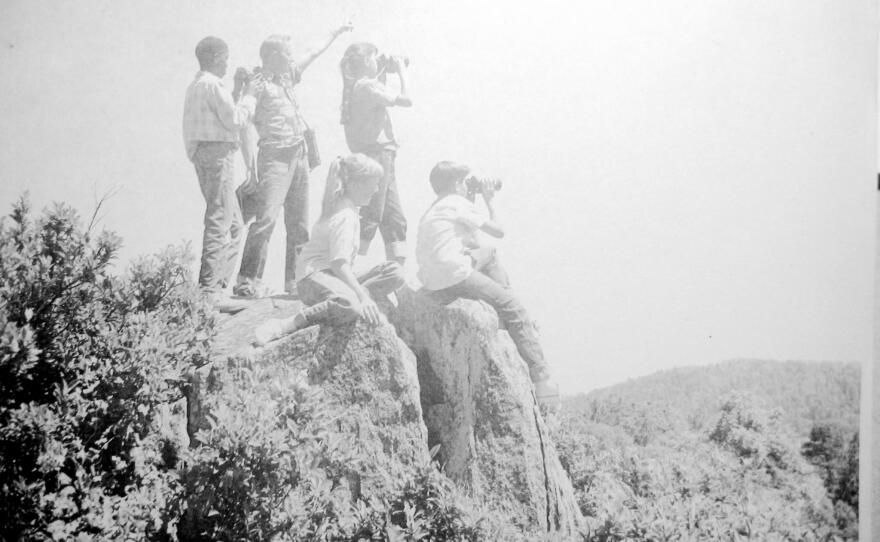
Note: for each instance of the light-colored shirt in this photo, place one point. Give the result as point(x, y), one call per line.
point(210, 113)
point(334, 238)
point(369, 125)
point(277, 117)
point(446, 231)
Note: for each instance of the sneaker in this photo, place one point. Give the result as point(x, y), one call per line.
point(251, 289)
point(229, 306)
point(224, 304)
point(268, 331)
point(547, 395)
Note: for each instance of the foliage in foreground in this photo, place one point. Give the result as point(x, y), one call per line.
point(88, 359)
point(85, 360)
point(274, 465)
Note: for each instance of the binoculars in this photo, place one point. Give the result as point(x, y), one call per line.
point(475, 185)
point(389, 63)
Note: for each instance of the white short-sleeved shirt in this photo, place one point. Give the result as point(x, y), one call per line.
point(445, 231)
point(334, 238)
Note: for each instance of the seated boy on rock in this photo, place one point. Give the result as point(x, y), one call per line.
point(452, 265)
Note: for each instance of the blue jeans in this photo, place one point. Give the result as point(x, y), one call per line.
point(489, 283)
point(384, 211)
point(214, 163)
point(284, 182)
point(330, 300)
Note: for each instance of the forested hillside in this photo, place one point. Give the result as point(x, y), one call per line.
point(743, 449)
point(805, 393)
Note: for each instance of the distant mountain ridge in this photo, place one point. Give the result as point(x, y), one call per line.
point(802, 392)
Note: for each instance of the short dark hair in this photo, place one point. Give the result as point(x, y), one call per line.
point(208, 49)
point(275, 42)
point(445, 174)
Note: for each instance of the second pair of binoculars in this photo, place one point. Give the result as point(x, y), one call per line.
point(391, 63)
point(478, 185)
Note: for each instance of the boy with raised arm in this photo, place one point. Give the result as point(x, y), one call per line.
point(282, 166)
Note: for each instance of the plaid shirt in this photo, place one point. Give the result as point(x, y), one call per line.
point(210, 114)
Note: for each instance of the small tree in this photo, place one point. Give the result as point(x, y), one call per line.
point(847, 489)
point(825, 449)
point(85, 358)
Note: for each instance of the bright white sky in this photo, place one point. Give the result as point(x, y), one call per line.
point(685, 182)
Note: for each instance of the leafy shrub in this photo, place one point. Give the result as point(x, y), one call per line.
point(85, 359)
point(741, 479)
point(278, 462)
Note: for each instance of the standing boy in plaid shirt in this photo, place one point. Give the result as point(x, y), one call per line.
point(211, 125)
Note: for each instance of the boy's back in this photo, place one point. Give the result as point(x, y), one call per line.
point(446, 231)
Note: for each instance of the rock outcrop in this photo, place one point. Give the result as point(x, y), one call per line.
point(442, 375)
point(367, 371)
point(479, 407)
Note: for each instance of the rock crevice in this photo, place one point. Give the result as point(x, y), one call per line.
point(479, 406)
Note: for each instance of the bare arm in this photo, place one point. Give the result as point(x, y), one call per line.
point(249, 138)
point(491, 226)
point(303, 62)
point(403, 98)
point(368, 309)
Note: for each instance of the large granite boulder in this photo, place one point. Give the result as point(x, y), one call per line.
point(365, 371)
point(479, 407)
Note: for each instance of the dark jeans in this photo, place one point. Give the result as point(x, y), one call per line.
point(330, 300)
point(284, 182)
point(489, 283)
point(214, 163)
point(384, 211)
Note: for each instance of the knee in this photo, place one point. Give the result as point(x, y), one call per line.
point(348, 309)
point(511, 308)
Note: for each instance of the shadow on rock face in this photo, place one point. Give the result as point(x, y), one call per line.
point(479, 407)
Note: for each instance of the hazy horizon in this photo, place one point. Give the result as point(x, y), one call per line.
point(684, 184)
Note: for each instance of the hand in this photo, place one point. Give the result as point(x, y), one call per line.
point(250, 183)
point(370, 311)
point(255, 85)
point(346, 27)
point(487, 189)
point(241, 76)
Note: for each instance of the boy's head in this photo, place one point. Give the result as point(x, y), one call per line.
point(276, 53)
point(447, 177)
point(212, 54)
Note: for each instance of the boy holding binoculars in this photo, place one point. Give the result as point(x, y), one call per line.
point(452, 264)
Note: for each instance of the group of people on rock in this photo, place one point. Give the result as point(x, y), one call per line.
point(360, 197)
